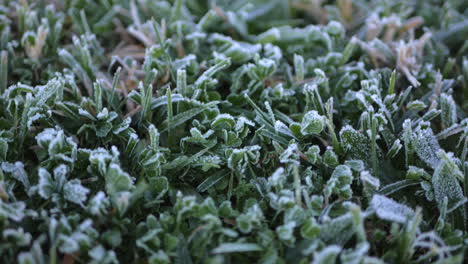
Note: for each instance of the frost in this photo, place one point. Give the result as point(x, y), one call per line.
point(278, 93)
point(46, 136)
point(14, 211)
point(280, 127)
point(85, 113)
point(335, 28)
point(196, 136)
point(239, 158)
point(310, 229)
point(100, 255)
point(34, 118)
point(103, 115)
point(124, 125)
point(277, 179)
point(426, 146)
point(17, 171)
point(416, 105)
point(20, 237)
point(283, 201)
point(312, 123)
point(266, 63)
point(428, 190)
point(221, 62)
point(356, 144)
point(357, 256)
point(242, 121)
point(273, 52)
point(395, 148)
point(340, 182)
point(117, 180)
point(251, 219)
point(270, 35)
point(327, 255)
point(370, 182)
point(232, 131)
point(121, 201)
point(100, 157)
point(58, 146)
point(290, 155)
point(286, 233)
point(313, 154)
point(46, 185)
point(208, 162)
point(445, 182)
point(416, 173)
point(53, 88)
point(154, 136)
point(330, 158)
point(299, 67)
point(236, 247)
point(75, 192)
point(239, 52)
point(98, 204)
point(390, 210)
point(449, 111)
point(262, 69)
point(56, 186)
point(321, 76)
point(224, 120)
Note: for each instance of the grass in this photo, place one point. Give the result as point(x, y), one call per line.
point(180, 131)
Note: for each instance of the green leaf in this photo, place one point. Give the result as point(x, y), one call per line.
point(312, 123)
point(445, 182)
point(390, 210)
point(327, 255)
point(183, 117)
point(236, 247)
point(211, 181)
point(396, 186)
point(75, 192)
point(426, 146)
point(117, 180)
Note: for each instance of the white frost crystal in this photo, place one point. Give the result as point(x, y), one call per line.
point(312, 123)
point(390, 210)
point(426, 146)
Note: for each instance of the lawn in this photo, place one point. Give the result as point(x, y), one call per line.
point(233, 131)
